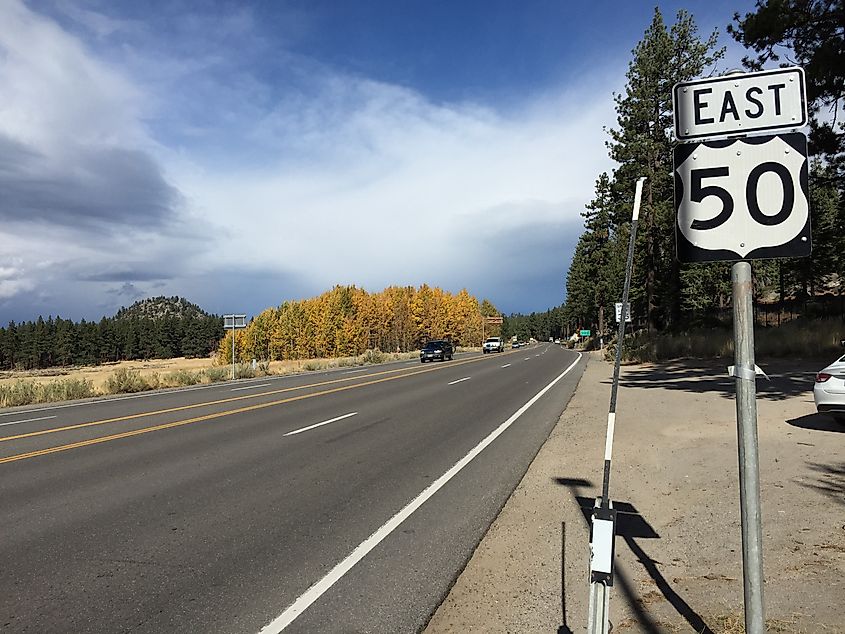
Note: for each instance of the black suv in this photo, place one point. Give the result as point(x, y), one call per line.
point(436, 350)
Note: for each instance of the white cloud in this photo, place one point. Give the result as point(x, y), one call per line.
point(373, 184)
point(330, 179)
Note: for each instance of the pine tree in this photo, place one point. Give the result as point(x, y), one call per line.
point(642, 146)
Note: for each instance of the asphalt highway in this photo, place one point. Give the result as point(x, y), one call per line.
point(342, 501)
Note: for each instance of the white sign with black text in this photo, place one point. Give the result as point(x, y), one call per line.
point(742, 199)
point(619, 312)
point(739, 104)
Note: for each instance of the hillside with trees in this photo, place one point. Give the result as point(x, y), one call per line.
point(665, 294)
point(155, 328)
point(347, 321)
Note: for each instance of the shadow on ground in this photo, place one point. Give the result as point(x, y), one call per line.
point(631, 526)
point(820, 422)
point(695, 375)
point(829, 480)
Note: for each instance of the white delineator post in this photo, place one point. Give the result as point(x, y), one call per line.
point(603, 524)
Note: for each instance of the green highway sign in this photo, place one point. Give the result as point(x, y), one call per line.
point(585, 333)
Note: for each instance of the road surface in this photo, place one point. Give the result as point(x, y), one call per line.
point(342, 501)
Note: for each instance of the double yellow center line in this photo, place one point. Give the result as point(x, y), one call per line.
point(198, 419)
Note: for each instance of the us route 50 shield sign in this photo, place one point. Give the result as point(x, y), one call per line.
point(742, 199)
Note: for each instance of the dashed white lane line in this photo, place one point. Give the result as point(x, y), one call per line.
point(536, 355)
point(325, 422)
point(507, 365)
point(466, 378)
point(28, 420)
point(250, 387)
point(313, 593)
point(527, 359)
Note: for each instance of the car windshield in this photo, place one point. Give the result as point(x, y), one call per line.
point(493, 340)
point(434, 344)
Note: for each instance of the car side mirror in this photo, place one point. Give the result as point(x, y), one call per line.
point(842, 343)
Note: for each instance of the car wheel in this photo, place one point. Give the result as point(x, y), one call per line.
point(422, 360)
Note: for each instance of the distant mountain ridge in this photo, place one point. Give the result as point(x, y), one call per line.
point(160, 307)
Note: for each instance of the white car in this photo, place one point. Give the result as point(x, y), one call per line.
point(829, 390)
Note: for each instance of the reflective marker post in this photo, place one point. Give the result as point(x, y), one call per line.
point(603, 524)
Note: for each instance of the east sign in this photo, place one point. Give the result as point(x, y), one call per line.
point(740, 104)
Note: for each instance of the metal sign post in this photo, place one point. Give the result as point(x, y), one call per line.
point(746, 427)
point(740, 199)
point(603, 524)
point(233, 322)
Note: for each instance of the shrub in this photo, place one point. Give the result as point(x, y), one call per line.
point(245, 371)
point(180, 378)
point(125, 381)
point(372, 357)
point(28, 392)
point(18, 393)
point(217, 374)
point(66, 390)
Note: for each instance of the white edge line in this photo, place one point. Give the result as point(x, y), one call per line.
point(325, 422)
point(28, 420)
point(250, 387)
point(466, 378)
point(304, 601)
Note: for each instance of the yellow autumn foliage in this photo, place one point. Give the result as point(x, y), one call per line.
point(347, 321)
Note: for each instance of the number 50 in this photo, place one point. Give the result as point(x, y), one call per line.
point(699, 193)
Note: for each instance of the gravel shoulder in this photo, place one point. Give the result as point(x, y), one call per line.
point(678, 554)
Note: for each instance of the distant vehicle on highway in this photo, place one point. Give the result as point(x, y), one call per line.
point(829, 390)
point(493, 344)
point(557, 341)
point(437, 349)
point(516, 344)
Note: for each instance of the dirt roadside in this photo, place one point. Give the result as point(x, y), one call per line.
point(678, 554)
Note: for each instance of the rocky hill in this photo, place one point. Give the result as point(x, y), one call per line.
point(160, 307)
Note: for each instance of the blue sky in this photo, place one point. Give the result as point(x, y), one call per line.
point(242, 154)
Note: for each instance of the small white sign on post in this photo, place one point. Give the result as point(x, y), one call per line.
point(619, 312)
point(232, 322)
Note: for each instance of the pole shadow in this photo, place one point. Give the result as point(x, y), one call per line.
point(632, 526)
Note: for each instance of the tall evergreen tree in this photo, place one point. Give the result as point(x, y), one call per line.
point(642, 146)
point(810, 33)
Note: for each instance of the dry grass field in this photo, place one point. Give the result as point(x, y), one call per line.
point(99, 374)
point(59, 384)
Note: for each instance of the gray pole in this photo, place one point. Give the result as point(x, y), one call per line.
point(233, 348)
point(749, 470)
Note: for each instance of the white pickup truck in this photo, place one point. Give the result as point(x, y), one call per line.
point(493, 344)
